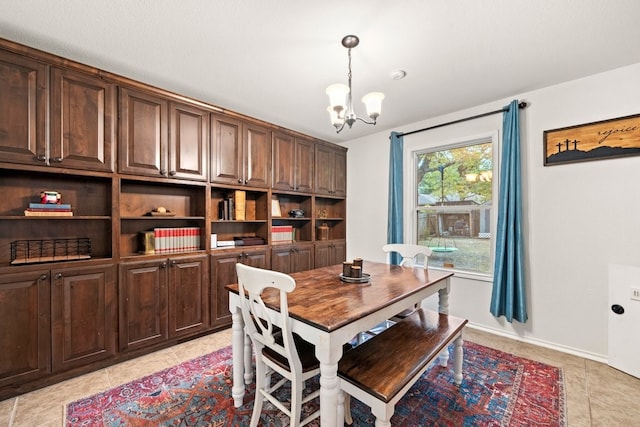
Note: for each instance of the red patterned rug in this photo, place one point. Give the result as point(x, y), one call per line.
point(498, 389)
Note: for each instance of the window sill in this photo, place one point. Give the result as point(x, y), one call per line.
point(467, 274)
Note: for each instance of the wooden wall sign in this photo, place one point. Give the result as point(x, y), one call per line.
point(593, 141)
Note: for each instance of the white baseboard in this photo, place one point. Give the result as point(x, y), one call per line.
point(564, 349)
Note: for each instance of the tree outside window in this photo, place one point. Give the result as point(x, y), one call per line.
point(453, 206)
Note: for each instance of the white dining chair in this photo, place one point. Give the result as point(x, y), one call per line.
point(276, 349)
point(411, 255)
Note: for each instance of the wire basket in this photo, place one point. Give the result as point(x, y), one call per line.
point(49, 250)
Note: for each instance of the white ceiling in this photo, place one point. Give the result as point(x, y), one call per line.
point(273, 59)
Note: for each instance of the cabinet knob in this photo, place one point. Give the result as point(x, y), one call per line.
point(56, 160)
point(43, 277)
point(163, 264)
point(173, 263)
point(163, 172)
point(239, 181)
point(172, 173)
point(40, 158)
point(58, 276)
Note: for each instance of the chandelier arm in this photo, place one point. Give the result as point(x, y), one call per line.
point(373, 122)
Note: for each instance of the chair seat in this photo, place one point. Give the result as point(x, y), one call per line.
point(306, 352)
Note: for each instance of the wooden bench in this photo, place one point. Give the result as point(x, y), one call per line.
point(381, 370)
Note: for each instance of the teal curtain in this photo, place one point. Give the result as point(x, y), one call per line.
point(508, 297)
point(395, 226)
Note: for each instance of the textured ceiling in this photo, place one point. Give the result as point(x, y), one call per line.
point(273, 59)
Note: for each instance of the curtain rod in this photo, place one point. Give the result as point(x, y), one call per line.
point(520, 105)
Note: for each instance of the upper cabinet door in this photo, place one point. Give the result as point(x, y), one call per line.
point(82, 121)
point(189, 142)
point(23, 109)
point(305, 154)
point(331, 170)
point(143, 134)
point(226, 153)
point(257, 156)
point(284, 161)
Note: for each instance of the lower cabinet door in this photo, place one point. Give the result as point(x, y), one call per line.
point(83, 316)
point(223, 273)
point(142, 316)
point(25, 318)
point(188, 296)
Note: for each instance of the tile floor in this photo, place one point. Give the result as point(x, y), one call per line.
point(597, 395)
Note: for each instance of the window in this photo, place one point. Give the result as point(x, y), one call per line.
point(453, 205)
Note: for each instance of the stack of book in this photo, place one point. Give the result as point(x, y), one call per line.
point(233, 207)
point(248, 241)
point(175, 239)
point(48, 209)
point(281, 234)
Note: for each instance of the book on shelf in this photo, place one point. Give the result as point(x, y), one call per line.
point(282, 234)
point(175, 239)
point(226, 243)
point(30, 212)
point(233, 206)
point(49, 206)
point(249, 241)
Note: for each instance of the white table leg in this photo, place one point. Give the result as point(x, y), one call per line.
point(328, 355)
point(237, 342)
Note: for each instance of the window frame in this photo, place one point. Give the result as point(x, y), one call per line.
point(412, 150)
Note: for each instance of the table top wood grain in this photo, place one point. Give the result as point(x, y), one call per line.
point(322, 300)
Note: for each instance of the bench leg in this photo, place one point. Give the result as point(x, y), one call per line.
point(458, 356)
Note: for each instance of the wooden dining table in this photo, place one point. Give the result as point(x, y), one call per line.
point(328, 312)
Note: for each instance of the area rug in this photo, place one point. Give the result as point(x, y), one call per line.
point(498, 389)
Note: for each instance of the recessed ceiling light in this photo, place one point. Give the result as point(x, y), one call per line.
point(398, 74)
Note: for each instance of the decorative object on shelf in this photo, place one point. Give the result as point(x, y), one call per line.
point(49, 250)
point(161, 211)
point(323, 231)
point(147, 242)
point(50, 197)
point(593, 141)
point(322, 214)
point(296, 213)
point(249, 240)
point(275, 207)
point(340, 97)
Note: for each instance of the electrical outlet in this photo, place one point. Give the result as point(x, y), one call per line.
point(635, 294)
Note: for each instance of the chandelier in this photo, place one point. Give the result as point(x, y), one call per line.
point(341, 108)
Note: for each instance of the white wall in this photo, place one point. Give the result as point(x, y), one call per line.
point(579, 217)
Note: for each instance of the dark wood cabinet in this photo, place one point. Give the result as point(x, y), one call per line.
point(84, 316)
point(330, 253)
point(147, 148)
point(162, 299)
point(223, 273)
point(25, 316)
point(188, 296)
point(292, 258)
point(331, 170)
point(188, 142)
point(143, 143)
point(84, 289)
point(142, 304)
point(24, 85)
point(241, 153)
point(83, 114)
point(293, 163)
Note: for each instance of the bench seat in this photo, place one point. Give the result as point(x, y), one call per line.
point(381, 370)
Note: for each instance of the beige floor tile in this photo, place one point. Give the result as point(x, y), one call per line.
point(6, 410)
point(142, 366)
point(204, 345)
